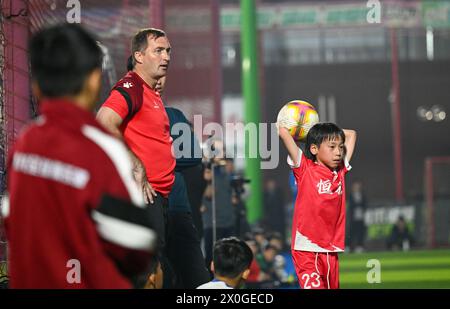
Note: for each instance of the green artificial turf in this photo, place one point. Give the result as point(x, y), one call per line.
point(413, 269)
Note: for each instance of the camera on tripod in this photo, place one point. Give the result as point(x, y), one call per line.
point(237, 183)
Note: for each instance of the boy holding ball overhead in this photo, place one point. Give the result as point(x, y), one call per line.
point(318, 229)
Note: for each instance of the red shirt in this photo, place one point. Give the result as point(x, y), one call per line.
point(254, 272)
point(147, 133)
point(61, 168)
point(319, 214)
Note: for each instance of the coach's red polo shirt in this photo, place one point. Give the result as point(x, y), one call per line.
point(147, 133)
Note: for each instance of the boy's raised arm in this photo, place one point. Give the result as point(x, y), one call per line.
point(350, 140)
point(290, 144)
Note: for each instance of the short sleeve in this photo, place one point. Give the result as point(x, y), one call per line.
point(299, 168)
point(117, 103)
point(293, 164)
point(347, 166)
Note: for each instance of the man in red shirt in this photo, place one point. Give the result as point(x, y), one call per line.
point(135, 112)
point(318, 229)
point(74, 217)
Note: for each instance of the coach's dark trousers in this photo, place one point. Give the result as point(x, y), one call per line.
point(184, 251)
point(160, 221)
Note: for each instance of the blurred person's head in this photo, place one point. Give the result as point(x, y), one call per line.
point(259, 237)
point(325, 144)
point(231, 261)
point(150, 50)
point(279, 261)
point(66, 63)
point(248, 236)
point(160, 85)
point(219, 147)
point(271, 185)
point(269, 253)
point(251, 243)
point(401, 223)
point(276, 240)
point(229, 166)
point(357, 186)
point(214, 150)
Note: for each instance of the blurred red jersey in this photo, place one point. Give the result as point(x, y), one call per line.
point(69, 218)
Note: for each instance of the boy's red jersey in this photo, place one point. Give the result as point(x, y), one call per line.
point(319, 214)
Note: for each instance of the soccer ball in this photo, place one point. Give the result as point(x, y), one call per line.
point(298, 117)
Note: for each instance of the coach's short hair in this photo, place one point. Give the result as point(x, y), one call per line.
point(231, 256)
point(61, 58)
point(139, 43)
point(320, 132)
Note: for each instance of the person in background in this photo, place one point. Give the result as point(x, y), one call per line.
point(400, 237)
point(266, 261)
point(219, 196)
point(260, 238)
point(274, 209)
point(194, 175)
point(183, 247)
point(357, 205)
point(255, 271)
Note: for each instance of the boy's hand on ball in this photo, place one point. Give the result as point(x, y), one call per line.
point(286, 123)
point(280, 125)
point(285, 120)
point(297, 117)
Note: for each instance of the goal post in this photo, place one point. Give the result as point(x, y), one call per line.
point(437, 200)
